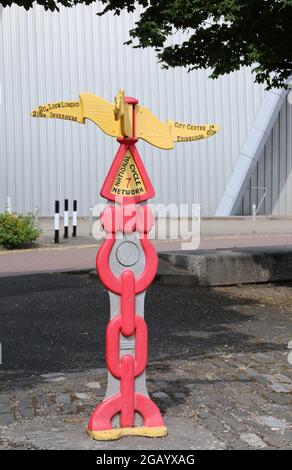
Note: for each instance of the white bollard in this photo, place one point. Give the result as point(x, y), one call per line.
point(36, 215)
point(66, 218)
point(57, 221)
point(8, 205)
point(254, 214)
point(74, 232)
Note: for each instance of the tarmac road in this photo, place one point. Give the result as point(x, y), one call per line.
point(55, 322)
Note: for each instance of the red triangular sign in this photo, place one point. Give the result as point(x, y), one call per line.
point(127, 177)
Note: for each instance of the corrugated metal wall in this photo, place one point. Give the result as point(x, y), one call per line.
point(52, 56)
point(274, 171)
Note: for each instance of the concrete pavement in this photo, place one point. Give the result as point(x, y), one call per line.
point(210, 226)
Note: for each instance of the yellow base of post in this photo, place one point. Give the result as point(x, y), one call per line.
point(117, 433)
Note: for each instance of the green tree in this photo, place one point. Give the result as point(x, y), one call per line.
point(222, 35)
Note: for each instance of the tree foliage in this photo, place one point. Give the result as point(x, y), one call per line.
point(222, 35)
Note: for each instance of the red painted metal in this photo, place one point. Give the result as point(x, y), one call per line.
point(144, 220)
point(126, 217)
point(133, 102)
point(107, 185)
point(113, 360)
point(148, 410)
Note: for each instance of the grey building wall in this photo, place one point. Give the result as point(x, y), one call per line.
point(48, 56)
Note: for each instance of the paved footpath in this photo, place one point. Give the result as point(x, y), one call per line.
point(80, 254)
point(218, 364)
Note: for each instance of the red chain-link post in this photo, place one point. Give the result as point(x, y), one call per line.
point(127, 185)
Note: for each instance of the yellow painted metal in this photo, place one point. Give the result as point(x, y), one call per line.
point(70, 110)
point(117, 433)
point(151, 129)
point(116, 120)
point(119, 104)
point(128, 181)
point(90, 106)
point(127, 121)
point(101, 112)
point(123, 111)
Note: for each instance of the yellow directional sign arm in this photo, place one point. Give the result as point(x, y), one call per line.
point(116, 120)
point(102, 113)
point(151, 129)
point(183, 132)
point(163, 135)
point(69, 110)
point(90, 106)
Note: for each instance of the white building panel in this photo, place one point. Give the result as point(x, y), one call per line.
point(48, 56)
